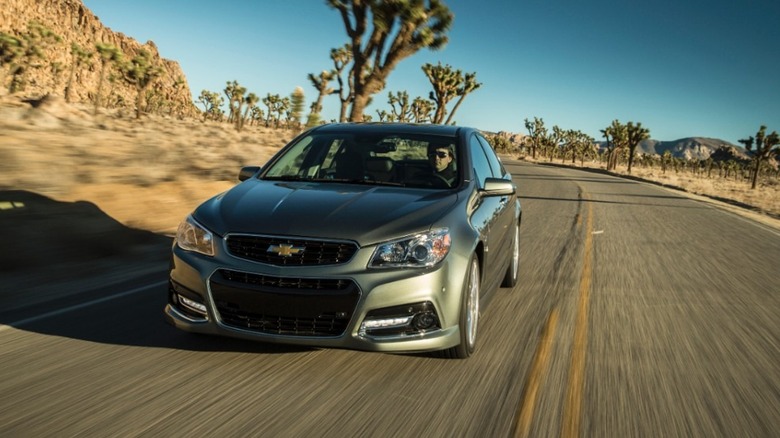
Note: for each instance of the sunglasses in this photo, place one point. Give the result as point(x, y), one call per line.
point(439, 154)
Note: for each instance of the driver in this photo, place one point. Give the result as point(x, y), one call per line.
point(442, 159)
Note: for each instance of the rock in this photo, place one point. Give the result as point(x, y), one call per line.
point(75, 23)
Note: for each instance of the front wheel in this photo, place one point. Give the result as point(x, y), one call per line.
point(469, 314)
point(510, 278)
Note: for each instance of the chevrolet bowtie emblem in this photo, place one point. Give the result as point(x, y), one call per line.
point(285, 250)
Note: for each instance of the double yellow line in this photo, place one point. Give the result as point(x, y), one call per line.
point(572, 410)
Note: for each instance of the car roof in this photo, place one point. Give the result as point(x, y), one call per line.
point(391, 128)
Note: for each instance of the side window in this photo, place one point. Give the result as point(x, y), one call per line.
point(495, 163)
point(479, 161)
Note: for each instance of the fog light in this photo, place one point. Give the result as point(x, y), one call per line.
point(192, 305)
point(425, 321)
point(405, 320)
point(384, 323)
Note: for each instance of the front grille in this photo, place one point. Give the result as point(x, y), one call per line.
point(289, 251)
point(285, 306)
point(284, 282)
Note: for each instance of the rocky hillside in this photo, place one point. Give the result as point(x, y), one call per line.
point(74, 23)
point(698, 148)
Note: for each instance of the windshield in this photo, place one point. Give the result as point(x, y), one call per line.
point(423, 161)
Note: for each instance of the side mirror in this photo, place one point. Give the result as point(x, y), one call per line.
point(498, 187)
point(248, 172)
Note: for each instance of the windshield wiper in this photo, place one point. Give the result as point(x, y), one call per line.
point(285, 178)
point(369, 182)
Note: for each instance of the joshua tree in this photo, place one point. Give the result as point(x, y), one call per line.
point(109, 55)
point(31, 46)
point(256, 115)
point(211, 102)
point(766, 147)
point(616, 136)
point(469, 84)
point(537, 133)
point(271, 102)
point(666, 160)
point(81, 57)
point(235, 94)
point(250, 100)
point(555, 141)
point(297, 100)
point(384, 32)
point(10, 50)
point(282, 108)
point(500, 144)
point(404, 111)
point(384, 116)
point(421, 110)
point(585, 146)
point(445, 82)
point(322, 84)
point(341, 57)
point(56, 71)
point(141, 71)
point(634, 135)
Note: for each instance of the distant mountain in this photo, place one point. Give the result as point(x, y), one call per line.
point(698, 148)
point(691, 148)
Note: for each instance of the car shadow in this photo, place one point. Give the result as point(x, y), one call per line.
point(70, 270)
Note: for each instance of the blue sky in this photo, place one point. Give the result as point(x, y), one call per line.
point(683, 68)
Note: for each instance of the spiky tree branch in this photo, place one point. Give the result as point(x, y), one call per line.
point(109, 55)
point(634, 135)
point(766, 146)
point(81, 57)
point(141, 71)
point(322, 84)
point(469, 84)
point(32, 45)
point(384, 32)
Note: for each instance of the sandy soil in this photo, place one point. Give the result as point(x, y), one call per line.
point(761, 205)
point(146, 173)
point(86, 200)
point(97, 197)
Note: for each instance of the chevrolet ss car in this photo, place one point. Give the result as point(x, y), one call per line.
point(377, 237)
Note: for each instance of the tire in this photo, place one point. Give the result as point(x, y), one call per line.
point(510, 278)
point(468, 321)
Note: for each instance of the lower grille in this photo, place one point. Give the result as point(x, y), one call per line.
point(284, 306)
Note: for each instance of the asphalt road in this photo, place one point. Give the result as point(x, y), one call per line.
point(639, 313)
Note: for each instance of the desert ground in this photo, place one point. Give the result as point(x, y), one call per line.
point(94, 199)
point(78, 190)
point(148, 173)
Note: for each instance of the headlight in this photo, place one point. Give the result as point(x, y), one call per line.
point(418, 251)
point(192, 236)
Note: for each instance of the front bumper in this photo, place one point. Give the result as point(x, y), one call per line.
point(322, 306)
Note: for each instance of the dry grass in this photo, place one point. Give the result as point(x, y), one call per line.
point(146, 173)
point(764, 200)
point(150, 173)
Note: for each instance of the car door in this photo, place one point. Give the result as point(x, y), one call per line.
point(488, 218)
point(506, 217)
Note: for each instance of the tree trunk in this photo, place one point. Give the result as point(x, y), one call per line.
point(100, 87)
point(358, 107)
point(755, 173)
point(455, 108)
point(69, 85)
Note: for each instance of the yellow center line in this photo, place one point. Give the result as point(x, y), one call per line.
point(572, 413)
point(538, 371)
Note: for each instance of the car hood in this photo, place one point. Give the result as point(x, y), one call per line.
point(365, 214)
